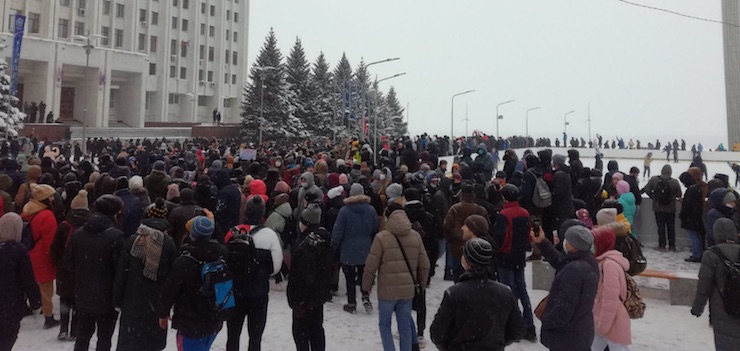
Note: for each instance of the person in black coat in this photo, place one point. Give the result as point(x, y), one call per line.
point(568, 320)
point(141, 274)
point(576, 166)
point(132, 210)
point(92, 255)
point(310, 281)
point(588, 190)
point(410, 157)
point(178, 217)
point(194, 316)
point(562, 192)
point(229, 203)
point(477, 313)
point(17, 281)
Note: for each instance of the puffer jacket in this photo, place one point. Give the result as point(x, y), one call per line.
point(649, 189)
point(65, 279)
point(156, 184)
point(43, 226)
point(718, 210)
point(385, 258)
point(456, 218)
point(353, 230)
point(610, 316)
point(279, 217)
point(258, 188)
point(629, 207)
point(309, 188)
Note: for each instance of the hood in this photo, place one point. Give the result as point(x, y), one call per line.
point(717, 197)
point(666, 171)
point(335, 192)
point(272, 174)
point(322, 167)
point(725, 231)
point(78, 216)
point(284, 209)
point(415, 211)
point(612, 166)
point(695, 173)
point(398, 223)
point(97, 223)
point(545, 157)
point(483, 147)
point(466, 152)
point(573, 155)
point(615, 256)
point(258, 187)
point(308, 176)
point(357, 199)
point(33, 207)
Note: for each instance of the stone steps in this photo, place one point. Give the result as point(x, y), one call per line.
point(130, 133)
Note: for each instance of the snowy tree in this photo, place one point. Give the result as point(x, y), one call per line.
point(394, 117)
point(11, 118)
point(298, 72)
point(323, 119)
point(345, 94)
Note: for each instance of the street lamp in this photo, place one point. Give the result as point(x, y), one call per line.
point(375, 112)
point(88, 49)
point(526, 121)
point(452, 117)
point(376, 94)
point(565, 127)
point(498, 117)
point(262, 70)
point(382, 61)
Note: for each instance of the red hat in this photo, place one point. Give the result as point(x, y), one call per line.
point(604, 240)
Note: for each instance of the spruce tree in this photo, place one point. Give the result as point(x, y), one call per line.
point(323, 119)
point(342, 82)
point(394, 117)
point(11, 118)
point(298, 71)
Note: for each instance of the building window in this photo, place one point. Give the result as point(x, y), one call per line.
point(147, 100)
point(174, 2)
point(152, 69)
point(226, 77)
point(210, 53)
point(203, 8)
point(173, 47)
point(112, 101)
point(81, 4)
point(119, 38)
point(202, 29)
point(79, 28)
point(236, 35)
point(233, 58)
point(120, 9)
point(106, 7)
point(210, 76)
point(64, 2)
point(184, 50)
point(200, 75)
point(174, 99)
point(236, 17)
point(155, 18)
point(227, 103)
point(173, 71)
point(184, 25)
point(63, 30)
point(233, 79)
point(211, 31)
point(202, 52)
point(185, 4)
point(105, 33)
point(228, 15)
point(228, 34)
point(213, 10)
point(142, 42)
point(33, 22)
point(153, 43)
point(142, 15)
point(202, 100)
point(183, 73)
point(174, 22)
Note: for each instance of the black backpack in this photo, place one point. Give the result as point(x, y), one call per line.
point(731, 292)
point(242, 253)
point(663, 193)
point(287, 235)
point(629, 246)
point(27, 235)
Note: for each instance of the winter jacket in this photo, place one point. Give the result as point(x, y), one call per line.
point(353, 231)
point(193, 315)
point(228, 208)
point(649, 189)
point(718, 210)
point(634, 188)
point(156, 184)
point(562, 195)
point(411, 157)
point(588, 190)
point(92, 255)
point(484, 162)
point(455, 219)
point(335, 202)
point(477, 314)
point(179, 217)
point(132, 212)
point(206, 195)
point(302, 191)
point(610, 316)
point(278, 219)
point(76, 218)
point(394, 279)
point(712, 279)
point(568, 320)
point(43, 226)
point(16, 284)
point(629, 207)
point(137, 296)
point(268, 260)
point(576, 166)
point(511, 233)
point(692, 210)
point(258, 188)
point(310, 276)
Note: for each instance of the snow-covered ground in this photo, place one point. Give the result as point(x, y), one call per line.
point(665, 327)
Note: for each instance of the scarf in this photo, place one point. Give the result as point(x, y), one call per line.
point(148, 247)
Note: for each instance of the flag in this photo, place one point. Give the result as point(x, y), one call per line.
point(20, 23)
point(101, 78)
point(184, 43)
point(60, 74)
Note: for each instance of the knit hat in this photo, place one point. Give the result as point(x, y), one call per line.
point(173, 192)
point(606, 216)
point(157, 209)
point(585, 217)
point(34, 172)
point(411, 194)
point(477, 224)
point(201, 228)
point(343, 179)
point(136, 183)
point(623, 187)
point(11, 227)
point(478, 252)
point(186, 195)
point(41, 192)
point(158, 166)
point(729, 197)
point(79, 201)
point(356, 189)
point(340, 162)
point(618, 176)
point(282, 187)
point(393, 191)
point(580, 238)
point(311, 215)
point(724, 231)
point(254, 210)
point(558, 160)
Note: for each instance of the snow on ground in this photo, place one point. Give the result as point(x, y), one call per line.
point(665, 327)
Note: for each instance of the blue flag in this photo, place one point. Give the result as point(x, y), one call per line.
point(20, 23)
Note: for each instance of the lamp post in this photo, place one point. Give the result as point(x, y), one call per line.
point(498, 117)
point(565, 127)
point(375, 122)
point(452, 117)
point(262, 70)
point(88, 49)
point(376, 94)
point(526, 121)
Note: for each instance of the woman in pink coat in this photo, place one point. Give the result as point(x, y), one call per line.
point(610, 315)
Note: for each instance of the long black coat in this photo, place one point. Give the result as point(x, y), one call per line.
point(92, 255)
point(137, 296)
point(309, 283)
point(568, 320)
point(16, 282)
point(477, 314)
point(65, 278)
point(562, 195)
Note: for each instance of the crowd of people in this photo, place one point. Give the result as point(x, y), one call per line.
point(141, 233)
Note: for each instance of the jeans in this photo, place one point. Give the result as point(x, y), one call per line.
point(600, 343)
point(255, 310)
point(308, 328)
point(105, 324)
point(515, 280)
point(449, 261)
point(406, 329)
point(697, 244)
point(646, 172)
point(201, 344)
point(666, 221)
point(352, 275)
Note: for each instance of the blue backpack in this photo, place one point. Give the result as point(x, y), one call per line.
point(217, 284)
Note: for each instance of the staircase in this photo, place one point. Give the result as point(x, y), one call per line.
point(130, 133)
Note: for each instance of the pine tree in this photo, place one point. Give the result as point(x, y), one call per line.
point(11, 118)
point(323, 117)
point(297, 77)
point(394, 117)
point(345, 94)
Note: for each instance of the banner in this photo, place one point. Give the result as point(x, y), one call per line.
point(20, 23)
point(247, 154)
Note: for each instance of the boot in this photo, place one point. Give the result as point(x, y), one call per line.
point(448, 275)
point(531, 334)
point(366, 302)
point(350, 308)
point(50, 323)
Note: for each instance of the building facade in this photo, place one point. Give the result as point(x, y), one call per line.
point(731, 39)
point(172, 61)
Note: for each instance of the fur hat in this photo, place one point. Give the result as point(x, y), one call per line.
point(477, 224)
point(108, 205)
point(79, 201)
point(41, 192)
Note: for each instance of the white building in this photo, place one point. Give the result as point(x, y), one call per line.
point(152, 61)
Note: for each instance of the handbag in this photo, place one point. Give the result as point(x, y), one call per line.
point(418, 291)
point(540, 310)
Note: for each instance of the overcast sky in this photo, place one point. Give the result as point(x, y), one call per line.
point(646, 74)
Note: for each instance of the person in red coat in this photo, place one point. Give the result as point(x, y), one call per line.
point(37, 212)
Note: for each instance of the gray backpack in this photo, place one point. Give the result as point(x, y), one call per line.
point(541, 197)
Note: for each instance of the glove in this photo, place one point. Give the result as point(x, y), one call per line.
point(696, 312)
